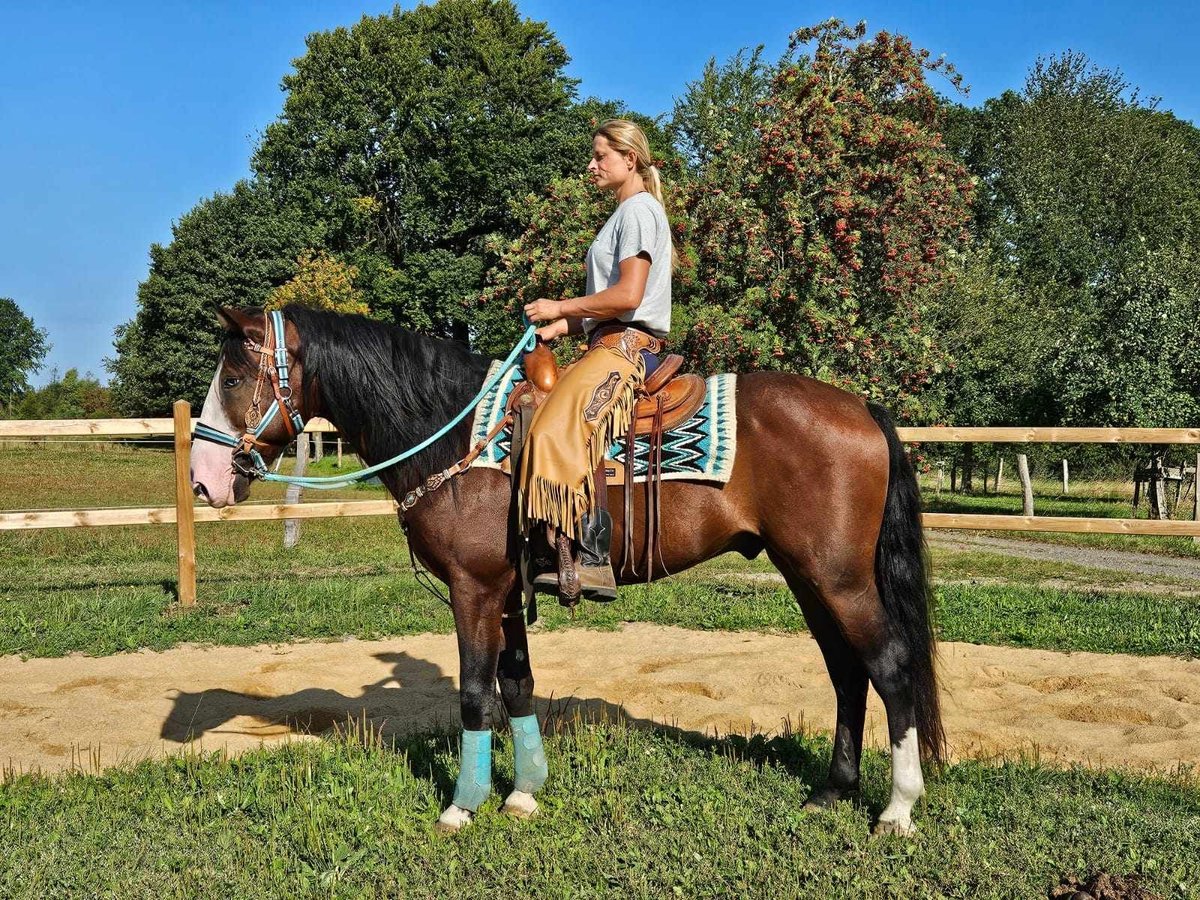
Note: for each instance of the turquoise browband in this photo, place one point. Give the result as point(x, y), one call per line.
point(245, 447)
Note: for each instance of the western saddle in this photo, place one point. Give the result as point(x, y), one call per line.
point(680, 396)
point(665, 400)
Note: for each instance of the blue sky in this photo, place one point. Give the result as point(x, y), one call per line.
point(117, 118)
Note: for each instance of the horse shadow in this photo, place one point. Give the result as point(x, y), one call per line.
point(417, 698)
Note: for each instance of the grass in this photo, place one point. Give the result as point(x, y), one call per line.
point(325, 593)
point(627, 812)
point(105, 590)
point(1104, 500)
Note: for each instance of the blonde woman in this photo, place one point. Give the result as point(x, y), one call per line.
point(625, 313)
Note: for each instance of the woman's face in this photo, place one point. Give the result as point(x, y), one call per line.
point(609, 168)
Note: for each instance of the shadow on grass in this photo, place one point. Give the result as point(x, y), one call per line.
point(417, 697)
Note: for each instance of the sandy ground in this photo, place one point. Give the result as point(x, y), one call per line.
point(1142, 712)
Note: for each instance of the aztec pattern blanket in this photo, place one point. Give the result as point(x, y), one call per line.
point(701, 449)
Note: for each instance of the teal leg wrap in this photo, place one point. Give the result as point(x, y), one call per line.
point(528, 754)
point(475, 775)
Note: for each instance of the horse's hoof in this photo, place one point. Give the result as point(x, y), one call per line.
point(900, 829)
point(825, 798)
point(520, 805)
point(453, 819)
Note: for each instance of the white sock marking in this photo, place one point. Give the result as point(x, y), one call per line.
point(908, 784)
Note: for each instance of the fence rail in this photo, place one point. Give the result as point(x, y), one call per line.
point(184, 514)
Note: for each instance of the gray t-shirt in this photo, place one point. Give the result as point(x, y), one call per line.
point(638, 225)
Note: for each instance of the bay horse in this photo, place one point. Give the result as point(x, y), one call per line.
point(821, 482)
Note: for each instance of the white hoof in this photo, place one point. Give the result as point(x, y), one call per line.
point(453, 819)
point(900, 829)
point(520, 805)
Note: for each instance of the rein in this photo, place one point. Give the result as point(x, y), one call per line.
point(249, 462)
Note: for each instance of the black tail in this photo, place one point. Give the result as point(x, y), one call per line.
point(902, 575)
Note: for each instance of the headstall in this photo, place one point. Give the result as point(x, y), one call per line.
point(273, 367)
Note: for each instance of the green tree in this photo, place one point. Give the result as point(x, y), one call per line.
point(1086, 195)
point(231, 250)
point(322, 282)
point(718, 112)
point(1134, 359)
point(808, 227)
point(23, 347)
point(412, 135)
point(67, 397)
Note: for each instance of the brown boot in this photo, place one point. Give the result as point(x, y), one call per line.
point(544, 561)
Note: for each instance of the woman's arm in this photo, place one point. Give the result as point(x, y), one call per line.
point(619, 298)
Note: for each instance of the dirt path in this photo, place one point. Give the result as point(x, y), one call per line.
point(1101, 709)
point(1094, 557)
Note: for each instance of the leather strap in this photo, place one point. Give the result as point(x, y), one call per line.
point(612, 335)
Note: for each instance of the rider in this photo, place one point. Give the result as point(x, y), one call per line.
point(625, 313)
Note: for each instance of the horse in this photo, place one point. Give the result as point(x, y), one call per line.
point(820, 482)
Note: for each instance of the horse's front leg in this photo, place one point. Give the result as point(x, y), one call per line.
point(477, 616)
point(516, 689)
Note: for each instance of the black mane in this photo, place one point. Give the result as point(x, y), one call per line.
point(387, 389)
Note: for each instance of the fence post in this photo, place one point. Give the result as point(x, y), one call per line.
point(185, 522)
point(1066, 479)
point(291, 527)
point(1026, 485)
point(1196, 497)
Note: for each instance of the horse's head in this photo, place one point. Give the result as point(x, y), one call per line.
point(254, 406)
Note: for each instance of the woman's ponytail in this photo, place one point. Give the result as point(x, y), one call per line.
point(625, 136)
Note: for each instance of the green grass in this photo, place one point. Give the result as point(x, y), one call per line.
point(45, 614)
point(106, 590)
point(627, 813)
point(1108, 506)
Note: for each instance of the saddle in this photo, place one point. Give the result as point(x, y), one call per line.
point(664, 401)
point(680, 396)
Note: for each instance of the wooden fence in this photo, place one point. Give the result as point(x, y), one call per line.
point(184, 514)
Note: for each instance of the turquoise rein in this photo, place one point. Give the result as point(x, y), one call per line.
point(206, 432)
point(474, 782)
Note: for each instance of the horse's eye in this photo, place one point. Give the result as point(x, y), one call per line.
point(231, 382)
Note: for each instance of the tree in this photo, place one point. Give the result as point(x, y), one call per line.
point(859, 201)
point(717, 112)
point(412, 135)
point(805, 239)
point(1087, 196)
point(68, 397)
point(23, 347)
point(1134, 359)
point(231, 250)
point(322, 282)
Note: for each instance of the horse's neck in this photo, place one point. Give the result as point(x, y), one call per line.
point(386, 431)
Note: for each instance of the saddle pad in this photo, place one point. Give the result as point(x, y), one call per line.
point(701, 449)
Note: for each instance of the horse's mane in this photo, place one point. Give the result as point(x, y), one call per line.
point(387, 389)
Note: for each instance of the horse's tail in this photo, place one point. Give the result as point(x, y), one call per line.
point(902, 576)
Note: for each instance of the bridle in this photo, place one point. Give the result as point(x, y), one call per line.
point(273, 367)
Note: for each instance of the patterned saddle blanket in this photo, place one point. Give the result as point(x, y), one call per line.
point(701, 449)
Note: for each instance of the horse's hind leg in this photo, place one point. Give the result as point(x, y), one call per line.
point(516, 690)
point(848, 620)
point(849, 677)
point(887, 660)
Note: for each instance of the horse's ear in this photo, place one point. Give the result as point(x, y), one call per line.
point(245, 322)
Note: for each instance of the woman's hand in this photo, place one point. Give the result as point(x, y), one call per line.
point(543, 310)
